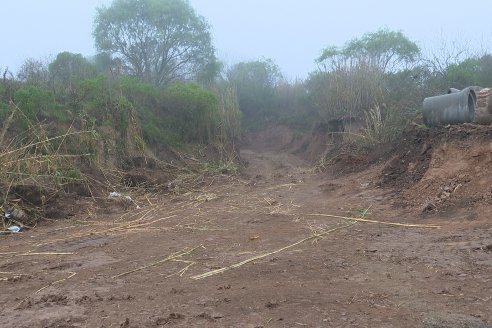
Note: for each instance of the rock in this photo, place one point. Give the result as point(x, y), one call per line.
point(18, 214)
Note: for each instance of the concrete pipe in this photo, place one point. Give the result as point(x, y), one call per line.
point(452, 108)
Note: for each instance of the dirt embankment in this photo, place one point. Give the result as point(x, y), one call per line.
point(32, 200)
point(442, 169)
point(275, 246)
point(436, 170)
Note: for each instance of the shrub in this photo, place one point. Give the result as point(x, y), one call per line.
point(195, 111)
point(37, 104)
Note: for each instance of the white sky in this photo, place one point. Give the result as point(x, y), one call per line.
point(290, 32)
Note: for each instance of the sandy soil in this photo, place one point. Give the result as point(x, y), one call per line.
point(140, 269)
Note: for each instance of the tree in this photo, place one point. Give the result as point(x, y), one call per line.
point(255, 82)
point(354, 78)
point(69, 68)
point(66, 71)
point(387, 50)
point(157, 40)
point(471, 71)
point(34, 72)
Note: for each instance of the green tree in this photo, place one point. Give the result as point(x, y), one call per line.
point(471, 71)
point(106, 65)
point(354, 78)
point(387, 50)
point(157, 40)
point(66, 71)
point(255, 82)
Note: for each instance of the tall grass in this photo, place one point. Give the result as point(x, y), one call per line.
point(37, 157)
point(383, 125)
point(229, 117)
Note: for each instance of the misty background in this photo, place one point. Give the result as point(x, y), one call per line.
point(291, 33)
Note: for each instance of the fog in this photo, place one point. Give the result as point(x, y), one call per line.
point(292, 33)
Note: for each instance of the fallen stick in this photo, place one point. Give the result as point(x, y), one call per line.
point(289, 185)
point(44, 253)
point(237, 265)
point(182, 271)
point(429, 226)
point(72, 274)
point(33, 253)
point(133, 226)
point(120, 227)
point(169, 258)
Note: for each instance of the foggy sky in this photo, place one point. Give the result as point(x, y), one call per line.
point(290, 32)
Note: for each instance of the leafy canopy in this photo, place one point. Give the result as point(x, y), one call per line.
point(69, 68)
point(385, 49)
point(157, 40)
point(255, 82)
point(471, 71)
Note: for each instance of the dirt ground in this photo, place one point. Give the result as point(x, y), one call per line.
point(285, 265)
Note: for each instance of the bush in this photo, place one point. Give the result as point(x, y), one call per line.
point(97, 97)
point(37, 104)
point(383, 125)
point(195, 111)
point(292, 106)
point(4, 111)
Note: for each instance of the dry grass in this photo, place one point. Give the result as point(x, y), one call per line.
point(39, 159)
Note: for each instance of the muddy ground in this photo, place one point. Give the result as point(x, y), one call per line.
point(290, 267)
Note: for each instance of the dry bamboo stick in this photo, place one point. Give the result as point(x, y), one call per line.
point(45, 253)
point(429, 226)
point(119, 228)
point(43, 142)
point(149, 223)
point(289, 185)
point(72, 274)
point(182, 271)
point(34, 253)
point(169, 258)
point(237, 265)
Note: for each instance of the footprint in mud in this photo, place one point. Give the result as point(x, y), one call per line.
point(44, 301)
point(210, 316)
point(53, 299)
point(65, 266)
point(161, 321)
point(80, 243)
point(329, 187)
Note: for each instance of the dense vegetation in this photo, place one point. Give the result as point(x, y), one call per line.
point(156, 83)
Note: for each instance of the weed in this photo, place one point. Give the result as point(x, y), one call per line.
point(363, 212)
point(222, 167)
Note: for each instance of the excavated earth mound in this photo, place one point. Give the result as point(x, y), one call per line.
point(442, 168)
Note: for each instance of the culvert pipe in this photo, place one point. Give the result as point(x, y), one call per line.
point(452, 108)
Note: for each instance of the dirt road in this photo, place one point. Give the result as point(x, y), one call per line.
point(285, 266)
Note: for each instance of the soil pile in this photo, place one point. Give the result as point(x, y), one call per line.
point(442, 168)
